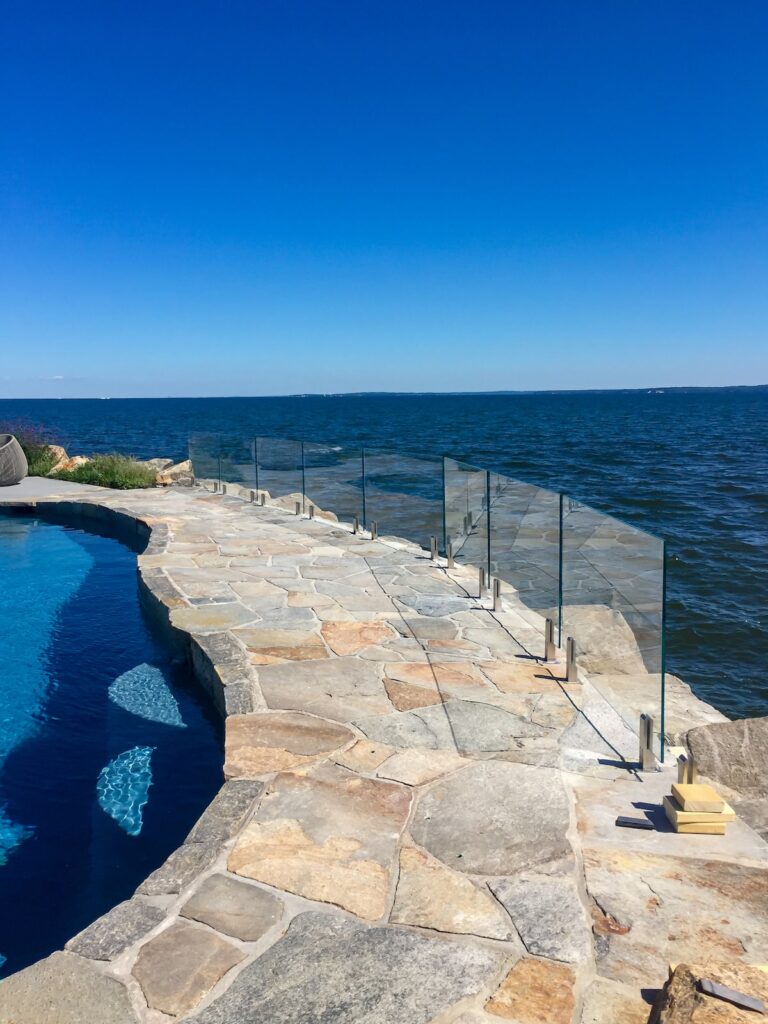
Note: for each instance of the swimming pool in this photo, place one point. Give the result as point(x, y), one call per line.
point(108, 751)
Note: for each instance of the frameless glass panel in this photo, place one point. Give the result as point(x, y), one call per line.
point(613, 606)
point(525, 548)
point(204, 454)
point(279, 466)
point(333, 480)
point(404, 495)
point(466, 512)
point(238, 464)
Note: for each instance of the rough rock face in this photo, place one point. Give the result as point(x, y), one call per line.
point(172, 474)
point(682, 1003)
point(734, 754)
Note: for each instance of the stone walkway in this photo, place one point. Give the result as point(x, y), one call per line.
point(417, 822)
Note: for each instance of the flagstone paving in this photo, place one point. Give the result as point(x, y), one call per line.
point(416, 821)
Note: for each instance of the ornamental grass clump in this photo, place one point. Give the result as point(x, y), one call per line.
point(114, 470)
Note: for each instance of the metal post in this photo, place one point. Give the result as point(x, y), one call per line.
point(571, 672)
point(311, 511)
point(496, 594)
point(223, 488)
point(433, 548)
point(215, 486)
point(482, 584)
point(263, 498)
point(686, 769)
point(253, 497)
point(374, 529)
point(549, 640)
point(449, 553)
point(647, 759)
point(298, 508)
point(356, 525)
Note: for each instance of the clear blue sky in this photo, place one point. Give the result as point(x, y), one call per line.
point(280, 196)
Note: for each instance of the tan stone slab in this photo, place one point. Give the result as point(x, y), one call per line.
point(234, 907)
point(181, 965)
point(345, 638)
point(606, 1002)
point(364, 756)
point(326, 836)
point(260, 743)
point(310, 600)
point(519, 675)
point(339, 688)
point(211, 617)
point(407, 696)
point(430, 895)
point(535, 992)
point(417, 767)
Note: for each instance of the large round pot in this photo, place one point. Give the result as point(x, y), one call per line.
point(13, 461)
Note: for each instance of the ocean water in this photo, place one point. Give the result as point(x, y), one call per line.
point(689, 466)
point(108, 754)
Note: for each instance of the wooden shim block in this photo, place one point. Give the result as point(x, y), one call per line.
point(701, 828)
point(677, 816)
point(698, 797)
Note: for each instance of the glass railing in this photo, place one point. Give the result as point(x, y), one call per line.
point(600, 581)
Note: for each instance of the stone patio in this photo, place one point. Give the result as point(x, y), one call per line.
point(416, 819)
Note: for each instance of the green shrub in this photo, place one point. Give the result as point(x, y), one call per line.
point(35, 443)
point(117, 471)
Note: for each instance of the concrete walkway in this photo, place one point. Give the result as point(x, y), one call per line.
point(417, 825)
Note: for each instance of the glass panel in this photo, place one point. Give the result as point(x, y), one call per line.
point(204, 453)
point(333, 480)
point(404, 496)
point(466, 517)
point(525, 549)
point(279, 465)
point(613, 606)
point(238, 465)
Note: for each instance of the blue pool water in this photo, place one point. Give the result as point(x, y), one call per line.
point(108, 754)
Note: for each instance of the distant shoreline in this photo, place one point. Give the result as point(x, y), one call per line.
point(660, 390)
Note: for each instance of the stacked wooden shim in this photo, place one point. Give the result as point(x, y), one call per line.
point(695, 807)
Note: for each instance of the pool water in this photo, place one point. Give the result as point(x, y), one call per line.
point(108, 751)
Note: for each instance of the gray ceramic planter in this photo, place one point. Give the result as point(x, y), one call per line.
point(13, 462)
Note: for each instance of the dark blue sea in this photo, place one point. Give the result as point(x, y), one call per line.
point(689, 466)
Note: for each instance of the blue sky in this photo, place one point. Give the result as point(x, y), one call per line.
point(284, 196)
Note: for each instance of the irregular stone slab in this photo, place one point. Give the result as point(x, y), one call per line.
point(407, 697)
point(336, 689)
point(346, 638)
point(430, 895)
point(181, 965)
point(520, 675)
point(277, 740)
point(682, 1003)
point(212, 618)
point(606, 1002)
point(227, 813)
point(364, 756)
point(734, 754)
point(180, 869)
point(328, 836)
point(341, 972)
point(704, 909)
point(438, 606)
point(548, 915)
point(430, 629)
point(466, 726)
point(233, 907)
point(115, 931)
point(415, 767)
point(286, 644)
point(535, 992)
point(494, 818)
point(64, 989)
point(597, 727)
